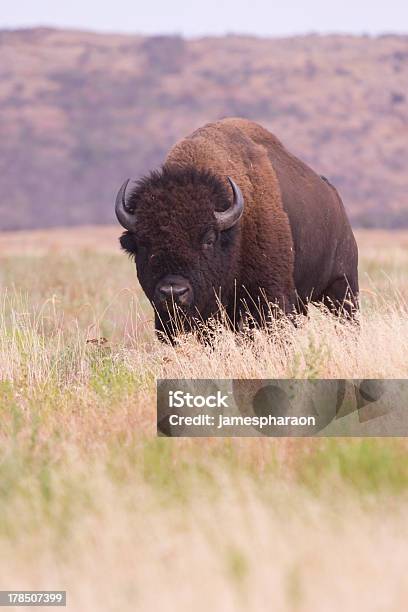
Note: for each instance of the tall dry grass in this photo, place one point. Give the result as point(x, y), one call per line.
point(92, 502)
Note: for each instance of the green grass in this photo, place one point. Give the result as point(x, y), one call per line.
point(367, 466)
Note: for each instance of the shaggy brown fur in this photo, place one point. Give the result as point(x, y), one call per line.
point(294, 242)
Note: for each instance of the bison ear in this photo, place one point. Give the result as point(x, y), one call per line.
point(231, 216)
point(128, 243)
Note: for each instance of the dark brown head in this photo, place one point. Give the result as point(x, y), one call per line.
point(183, 231)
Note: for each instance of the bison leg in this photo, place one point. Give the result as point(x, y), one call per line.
point(261, 312)
point(341, 298)
point(165, 330)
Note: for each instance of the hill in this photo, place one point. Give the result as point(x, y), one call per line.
point(80, 111)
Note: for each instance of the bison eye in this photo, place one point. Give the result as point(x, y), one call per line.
point(209, 239)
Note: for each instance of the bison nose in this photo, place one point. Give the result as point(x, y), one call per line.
point(175, 290)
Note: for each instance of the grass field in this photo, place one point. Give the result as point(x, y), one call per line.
point(93, 503)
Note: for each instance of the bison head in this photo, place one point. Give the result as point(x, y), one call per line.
point(182, 231)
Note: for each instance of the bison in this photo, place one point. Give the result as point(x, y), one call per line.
point(232, 220)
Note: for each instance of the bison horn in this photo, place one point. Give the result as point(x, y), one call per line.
point(125, 215)
point(230, 217)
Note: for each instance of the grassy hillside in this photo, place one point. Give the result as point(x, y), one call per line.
point(92, 502)
point(79, 112)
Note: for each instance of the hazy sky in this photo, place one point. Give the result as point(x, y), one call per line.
point(192, 18)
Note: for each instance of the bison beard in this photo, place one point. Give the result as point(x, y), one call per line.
point(233, 220)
